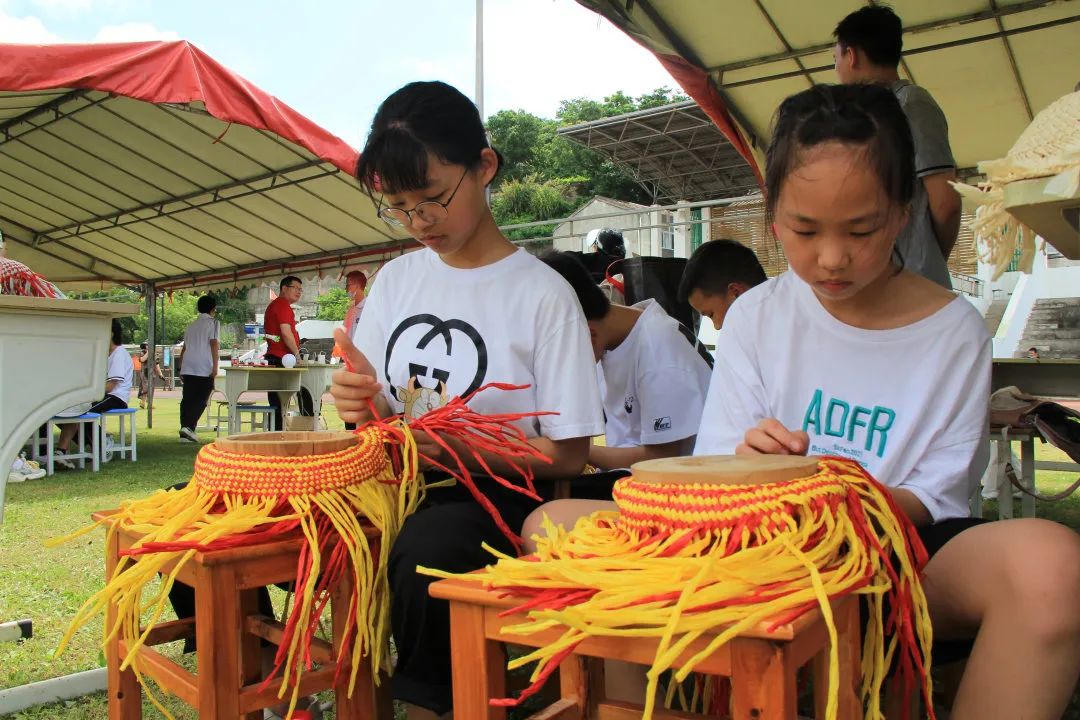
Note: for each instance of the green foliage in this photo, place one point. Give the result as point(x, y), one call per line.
point(531, 199)
point(180, 311)
point(333, 305)
point(545, 175)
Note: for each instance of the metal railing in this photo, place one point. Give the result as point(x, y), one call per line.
point(966, 284)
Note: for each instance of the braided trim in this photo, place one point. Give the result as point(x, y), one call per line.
point(248, 475)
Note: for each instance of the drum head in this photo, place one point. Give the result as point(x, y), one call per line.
point(725, 469)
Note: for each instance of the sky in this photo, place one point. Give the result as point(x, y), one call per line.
point(335, 60)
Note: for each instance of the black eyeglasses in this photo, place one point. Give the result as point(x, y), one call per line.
point(430, 211)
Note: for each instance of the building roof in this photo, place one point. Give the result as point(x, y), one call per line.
point(674, 151)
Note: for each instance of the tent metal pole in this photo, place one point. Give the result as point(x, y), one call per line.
point(151, 349)
point(480, 58)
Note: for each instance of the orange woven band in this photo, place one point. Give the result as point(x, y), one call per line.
point(652, 508)
point(274, 476)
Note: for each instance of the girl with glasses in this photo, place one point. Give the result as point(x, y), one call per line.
point(467, 309)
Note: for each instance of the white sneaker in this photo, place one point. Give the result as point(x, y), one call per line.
point(25, 473)
point(188, 435)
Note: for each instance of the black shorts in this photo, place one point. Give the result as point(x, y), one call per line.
point(109, 402)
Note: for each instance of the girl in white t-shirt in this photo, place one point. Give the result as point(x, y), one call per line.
point(468, 309)
point(850, 354)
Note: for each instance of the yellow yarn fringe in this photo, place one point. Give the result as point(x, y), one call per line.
point(804, 542)
point(379, 497)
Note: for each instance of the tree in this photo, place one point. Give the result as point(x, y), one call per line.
point(333, 304)
point(552, 167)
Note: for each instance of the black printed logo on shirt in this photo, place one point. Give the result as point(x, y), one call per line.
point(628, 403)
point(662, 423)
point(435, 360)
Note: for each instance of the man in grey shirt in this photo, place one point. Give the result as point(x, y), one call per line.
point(868, 44)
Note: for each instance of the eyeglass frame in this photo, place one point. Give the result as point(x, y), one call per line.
point(409, 213)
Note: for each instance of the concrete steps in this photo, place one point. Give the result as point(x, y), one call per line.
point(1053, 328)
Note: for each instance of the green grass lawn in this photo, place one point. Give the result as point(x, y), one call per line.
point(49, 585)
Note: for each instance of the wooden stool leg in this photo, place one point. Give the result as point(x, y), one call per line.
point(368, 702)
point(762, 684)
point(478, 665)
point(250, 649)
point(125, 695)
point(849, 640)
point(217, 633)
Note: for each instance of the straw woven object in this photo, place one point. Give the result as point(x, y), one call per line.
point(1049, 146)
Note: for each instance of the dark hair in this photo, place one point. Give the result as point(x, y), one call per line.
point(116, 332)
point(287, 280)
point(142, 346)
point(876, 30)
point(857, 114)
point(593, 301)
point(206, 304)
point(717, 264)
point(358, 276)
point(420, 118)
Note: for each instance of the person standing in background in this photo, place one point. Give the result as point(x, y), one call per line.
point(279, 324)
point(198, 366)
point(868, 49)
point(143, 374)
point(355, 285)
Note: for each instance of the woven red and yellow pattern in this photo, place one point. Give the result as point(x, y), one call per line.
point(218, 471)
point(649, 509)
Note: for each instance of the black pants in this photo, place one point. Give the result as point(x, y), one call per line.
point(445, 533)
point(303, 398)
point(197, 391)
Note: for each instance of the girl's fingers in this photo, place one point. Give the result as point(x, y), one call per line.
point(355, 360)
point(762, 442)
point(791, 442)
point(354, 392)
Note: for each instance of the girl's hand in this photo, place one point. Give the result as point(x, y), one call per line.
point(355, 387)
point(770, 437)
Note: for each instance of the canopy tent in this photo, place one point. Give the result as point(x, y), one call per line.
point(991, 64)
point(152, 164)
point(674, 151)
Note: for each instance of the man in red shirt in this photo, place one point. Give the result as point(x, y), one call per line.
point(279, 323)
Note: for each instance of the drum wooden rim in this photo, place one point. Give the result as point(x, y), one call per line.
point(295, 443)
point(725, 469)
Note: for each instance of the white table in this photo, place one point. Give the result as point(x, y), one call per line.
point(53, 355)
point(240, 379)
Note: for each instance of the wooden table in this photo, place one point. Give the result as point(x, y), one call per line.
point(53, 355)
point(761, 664)
point(1049, 378)
point(239, 379)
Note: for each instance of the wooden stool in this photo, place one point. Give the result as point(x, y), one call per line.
point(762, 665)
point(228, 629)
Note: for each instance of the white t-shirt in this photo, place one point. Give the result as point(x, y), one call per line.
point(198, 359)
point(654, 382)
point(910, 404)
point(434, 332)
point(121, 369)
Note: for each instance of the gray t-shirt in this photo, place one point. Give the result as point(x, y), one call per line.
point(917, 243)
